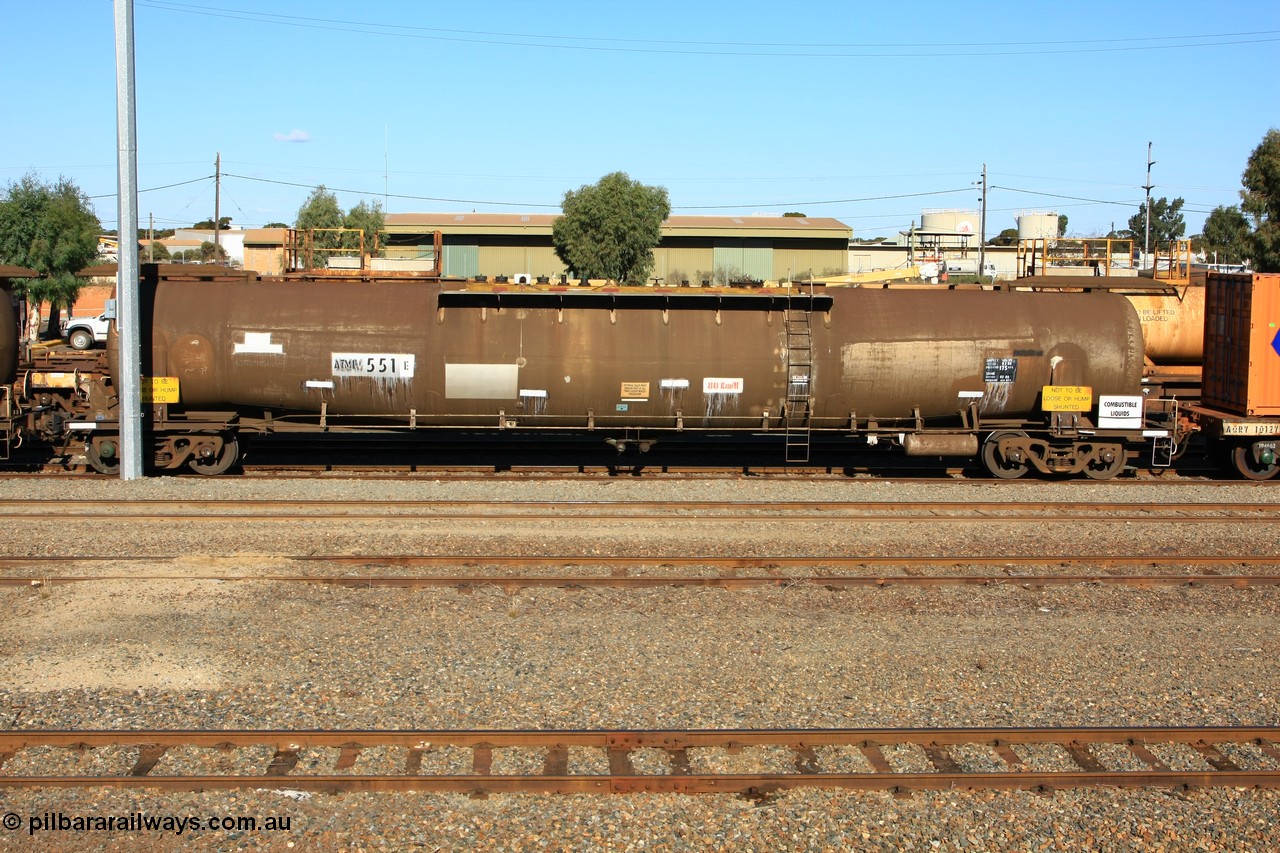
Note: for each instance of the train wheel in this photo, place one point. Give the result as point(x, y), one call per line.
point(1099, 468)
point(1250, 466)
point(1004, 467)
point(218, 463)
point(103, 455)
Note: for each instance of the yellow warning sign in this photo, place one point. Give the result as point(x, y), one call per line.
point(635, 391)
point(160, 389)
point(1066, 398)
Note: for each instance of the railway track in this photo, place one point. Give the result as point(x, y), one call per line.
point(725, 581)
point(750, 762)
point(383, 510)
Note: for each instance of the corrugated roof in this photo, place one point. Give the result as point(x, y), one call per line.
point(457, 223)
point(268, 236)
point(544, 220)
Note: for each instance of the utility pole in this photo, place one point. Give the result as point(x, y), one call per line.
point(217, 201)
point(982, 227)
point(1146, 240)
point(128, 378)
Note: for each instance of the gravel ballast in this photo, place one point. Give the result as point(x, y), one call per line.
point(193, 653)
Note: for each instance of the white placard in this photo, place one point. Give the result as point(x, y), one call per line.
point(721, 385)
point(378, 365)
point(1120, 411)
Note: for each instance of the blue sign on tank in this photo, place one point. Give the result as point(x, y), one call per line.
point(1275, 343)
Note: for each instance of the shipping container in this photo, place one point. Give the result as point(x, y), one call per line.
point(1242, 343)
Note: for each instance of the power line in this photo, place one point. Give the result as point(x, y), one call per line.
point(154, 189)
point(1068, 197)
point(390, 195)
point(813, 203)
point(609, 45)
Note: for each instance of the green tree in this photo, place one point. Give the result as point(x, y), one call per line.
point(1227, 234)
point(224, 222)
point(209, 252)
point(1260, 198)
point(276, 225)
point(1167, 223)
point(52, 229)
point(610, 228)
point(367, 218)
point(1062, 225)
point(1007, 237)
point(159, 252)
point(319, 211)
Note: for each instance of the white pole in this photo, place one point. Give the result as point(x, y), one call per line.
point(128, 335)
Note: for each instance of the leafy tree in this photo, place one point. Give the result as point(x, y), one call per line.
point(609, 228)
point(363, 217)
point(276, 225)
point(1227, 233)
point(208, 252)
point(52, 229)
point(1007, 237)
point(1167, 223)
point(1260, 198)
point(159, 252)
point(1062, 225)
point(320, 210)
point(224, 222)
point(793, 214)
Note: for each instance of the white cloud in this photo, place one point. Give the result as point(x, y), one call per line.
point(294, 135)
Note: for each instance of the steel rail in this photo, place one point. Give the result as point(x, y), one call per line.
point(620, 562)
point(730, 582)
point(380, 510)
point(807, 768)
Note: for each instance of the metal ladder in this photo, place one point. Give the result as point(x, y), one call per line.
point(799, 368)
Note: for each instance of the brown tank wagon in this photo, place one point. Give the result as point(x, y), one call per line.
point(1019, 376)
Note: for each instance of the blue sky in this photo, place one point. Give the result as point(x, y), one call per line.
point(867, 112)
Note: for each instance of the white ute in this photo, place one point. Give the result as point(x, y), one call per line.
point(84, 332)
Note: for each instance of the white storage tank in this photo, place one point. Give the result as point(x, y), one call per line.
point(960, 221)
point(1037, 226)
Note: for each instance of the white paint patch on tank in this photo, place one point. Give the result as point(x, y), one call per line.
point(258, 343)
point(481, 381)
point(535, 401)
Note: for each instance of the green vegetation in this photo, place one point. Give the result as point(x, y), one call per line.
point(321, 211)
point(1260, 199)
point(609, 229)
point(52, 229)
point(1167, 223)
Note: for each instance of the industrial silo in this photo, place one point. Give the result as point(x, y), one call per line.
point(1037, 226)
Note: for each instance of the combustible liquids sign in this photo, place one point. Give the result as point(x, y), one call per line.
point(1116, 411)
point(160, 389)
point(1066, 398)
point(718, 385)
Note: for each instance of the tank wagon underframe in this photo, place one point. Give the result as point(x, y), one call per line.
point(933, 373)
